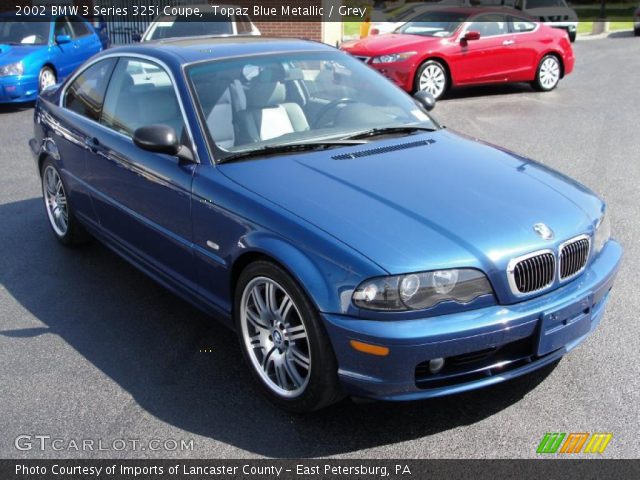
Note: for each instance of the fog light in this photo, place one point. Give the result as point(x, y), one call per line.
point(436, 365)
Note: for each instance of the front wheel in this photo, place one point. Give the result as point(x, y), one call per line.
point(46, 78)
point(548, 74)
point(572, 36)
point(636, 31)
point(432, 77)
point(283, 340)
point(56, 204)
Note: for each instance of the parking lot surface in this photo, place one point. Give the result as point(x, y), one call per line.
point(92, 349)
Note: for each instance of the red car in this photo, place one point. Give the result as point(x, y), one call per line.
point(449, 47)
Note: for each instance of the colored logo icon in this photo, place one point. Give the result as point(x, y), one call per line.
point(574, 443)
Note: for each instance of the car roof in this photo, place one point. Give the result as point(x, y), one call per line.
point(193, 49)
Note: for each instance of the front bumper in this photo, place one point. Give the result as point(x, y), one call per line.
point(18, 89)
point(400, 73)
point(484, 346)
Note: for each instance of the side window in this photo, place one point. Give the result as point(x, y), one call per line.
point(140, 93)
point(520, 25)
point(242, 24)
point(86, 93)
point(62, 27)
point(489, 25)
point(80, 27)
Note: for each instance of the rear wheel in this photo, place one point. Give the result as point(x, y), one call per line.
point(56, 204)
point(572, 36)
point(46, 78)
point(432, 77)
point(548, 74)
point(283, 340)
point(636, 31)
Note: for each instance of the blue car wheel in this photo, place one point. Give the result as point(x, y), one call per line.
point(46, 78)
point(283, 340)
point(65, 227)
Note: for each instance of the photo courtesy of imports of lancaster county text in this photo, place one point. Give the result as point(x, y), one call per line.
point(319, 239)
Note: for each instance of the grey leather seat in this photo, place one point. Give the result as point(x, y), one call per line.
point(221, 117)
point(268, 114)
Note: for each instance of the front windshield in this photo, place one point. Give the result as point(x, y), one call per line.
point(264, 101)
point(176, 26)
point(434, 24)
point(23, 32)
point(545, 3)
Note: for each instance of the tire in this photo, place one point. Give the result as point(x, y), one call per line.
point(548, 74)
point(300, 372)
point(46, 78)
point(62, 221)
point(572, 36)
point(432, 76)
point(636, 31)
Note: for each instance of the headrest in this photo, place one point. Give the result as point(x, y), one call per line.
point(268, 94)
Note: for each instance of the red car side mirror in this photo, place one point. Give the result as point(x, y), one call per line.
point(471, 35)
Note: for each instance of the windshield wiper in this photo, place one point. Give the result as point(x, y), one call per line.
point(389, 131)
point(291, 148)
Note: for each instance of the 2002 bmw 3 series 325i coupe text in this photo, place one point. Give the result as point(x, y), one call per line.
point(356, 247)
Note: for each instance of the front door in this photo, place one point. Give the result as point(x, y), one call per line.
point(484, 60)
point(143, 199)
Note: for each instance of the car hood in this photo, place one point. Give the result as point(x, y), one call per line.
point(15, 53)
point(450, 201)
point(391, 43)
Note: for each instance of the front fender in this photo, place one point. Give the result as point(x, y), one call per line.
point(329, 282)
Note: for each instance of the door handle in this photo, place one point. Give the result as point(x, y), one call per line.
point(508, 42)
point(92, 144)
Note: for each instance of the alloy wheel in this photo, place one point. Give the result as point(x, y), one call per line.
point(275, 337)
point(433, 79)
point(47, 78)
point(55, 199)
point(549, 73)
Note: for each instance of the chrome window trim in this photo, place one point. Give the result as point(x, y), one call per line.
point(559, 261)
point(511, 270)
point(86, 66)
point(467, 23)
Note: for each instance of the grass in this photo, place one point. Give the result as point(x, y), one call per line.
point(586, 27)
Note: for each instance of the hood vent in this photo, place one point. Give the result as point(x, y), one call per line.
point(376, 151)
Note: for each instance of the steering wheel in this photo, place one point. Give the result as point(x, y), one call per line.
point(329, 107)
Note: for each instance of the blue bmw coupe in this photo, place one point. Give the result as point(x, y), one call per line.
point(355, 246)
point(37, 52)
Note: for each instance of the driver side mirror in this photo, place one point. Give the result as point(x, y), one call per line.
point(470, 35)
point(162, 139)
point(61, 39)
point(136, 37)
point(425, 100)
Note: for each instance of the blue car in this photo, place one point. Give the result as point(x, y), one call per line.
point(37, 54)
point(355, 246)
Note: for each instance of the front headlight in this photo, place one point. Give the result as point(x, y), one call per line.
point(12, 69)
point(417, 291)
point(603, 233)
point(393, 57)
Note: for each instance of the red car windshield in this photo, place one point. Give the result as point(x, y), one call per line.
point(434, 24)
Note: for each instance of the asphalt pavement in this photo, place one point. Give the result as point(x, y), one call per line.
point(91, 349)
